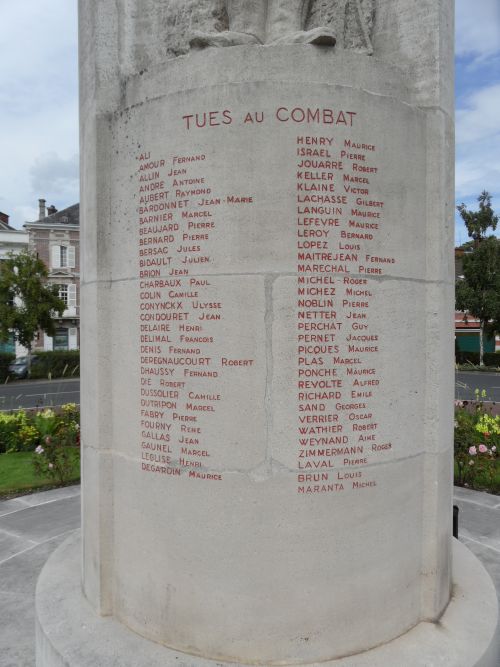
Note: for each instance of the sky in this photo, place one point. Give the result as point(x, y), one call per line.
point(39, 105)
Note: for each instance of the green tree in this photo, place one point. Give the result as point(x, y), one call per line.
point(27, 302)
point(478, 222)
point(478, 292)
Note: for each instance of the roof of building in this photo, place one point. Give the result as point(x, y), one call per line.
point(68, 216)
point(5, 227)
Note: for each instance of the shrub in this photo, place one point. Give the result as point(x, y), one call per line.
point(489, 358)
point(58, 451)
point(12, 435)
point(5, 360)
point(64, 363)
point(476, 444)
point(21, 431)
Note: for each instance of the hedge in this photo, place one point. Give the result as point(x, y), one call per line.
point(5, 360)
point(489, 358)
point(63, 363)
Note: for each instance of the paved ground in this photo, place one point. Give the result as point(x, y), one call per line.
point(31, 527)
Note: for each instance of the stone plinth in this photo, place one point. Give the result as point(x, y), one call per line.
point(267, 389)
point(70, 633)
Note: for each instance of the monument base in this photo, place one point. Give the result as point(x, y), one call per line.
point(69, 633)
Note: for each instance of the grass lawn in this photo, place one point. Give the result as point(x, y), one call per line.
point(17, 474)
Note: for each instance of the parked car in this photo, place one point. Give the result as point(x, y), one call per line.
point(19, 367)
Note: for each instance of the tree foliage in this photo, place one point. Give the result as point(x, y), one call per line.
point(478, 222)
point(477, 293)
point(27, 302)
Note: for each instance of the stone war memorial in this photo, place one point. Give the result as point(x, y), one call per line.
point(267, 389)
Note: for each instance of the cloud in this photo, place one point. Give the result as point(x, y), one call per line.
point(477, 27)
point(477, 172)
point(478, 143)
point(38, 105)
point(479, 116)
point(50, 173)
point(28, 213)
point(42, 159)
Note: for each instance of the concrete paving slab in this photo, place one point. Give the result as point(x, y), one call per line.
point(489, 557)
point(18, 579)
point(31, 527)
point(43, 521)
point(42, 497)
point(10, 545)
point(476, 497)
point(483, 530)
point(479, 530)
point(39, 498)
point(12, 505)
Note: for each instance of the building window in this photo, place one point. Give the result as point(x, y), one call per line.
point(63, 257)
point(67, 293)
point(61, 339)
point(9, 346)
point(63, 294)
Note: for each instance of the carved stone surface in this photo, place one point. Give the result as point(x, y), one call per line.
point(153, 31)
point(351, 20)
point(267, 22)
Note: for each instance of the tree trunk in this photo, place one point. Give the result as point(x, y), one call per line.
point(481, 343)
point(29, 362)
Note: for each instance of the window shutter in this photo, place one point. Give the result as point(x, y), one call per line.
point(71, 257)
point(73, 339)
point(56, 257)
point(71, 296)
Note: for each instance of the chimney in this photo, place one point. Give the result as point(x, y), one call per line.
point(41, 209)
point(4, 218)
point(51, 210)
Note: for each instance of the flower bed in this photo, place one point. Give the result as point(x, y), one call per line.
point(476, 444)
point(52, 439)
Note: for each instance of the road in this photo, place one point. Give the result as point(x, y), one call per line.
point(467, 382)
point(44, 393)
point(39, 393)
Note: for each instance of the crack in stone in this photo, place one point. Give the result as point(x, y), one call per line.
point(268, 393)
point(270, 467)
point(285, 274)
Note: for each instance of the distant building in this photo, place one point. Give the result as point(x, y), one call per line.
point(11, 241)
point(55, 238)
